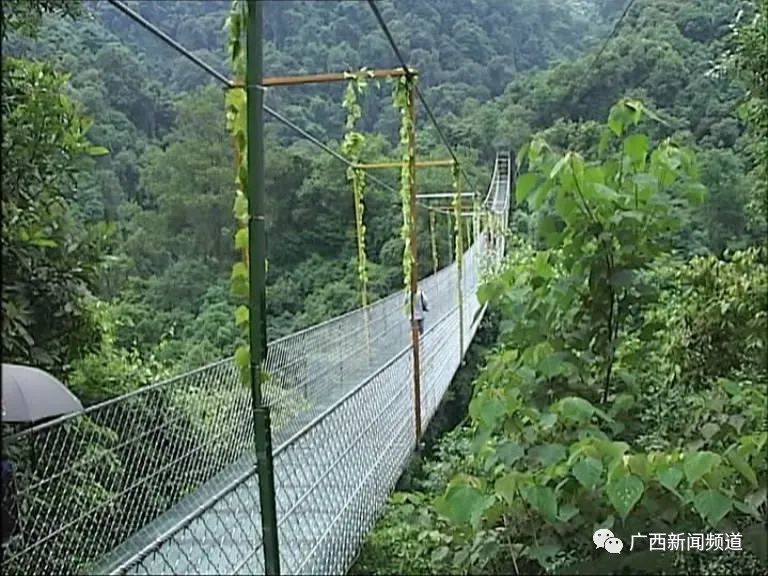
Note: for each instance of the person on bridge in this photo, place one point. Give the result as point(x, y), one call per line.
point(420, 305)
point(10, 513)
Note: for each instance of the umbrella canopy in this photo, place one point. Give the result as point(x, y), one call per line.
point(29, 394)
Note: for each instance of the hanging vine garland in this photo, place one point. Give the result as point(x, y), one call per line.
point(236, 124)
point(401, 95)
point(457, 215)
point(459, 249)
point(352, 147)
point(468, 231)
point(235, 103)
point(433, 241)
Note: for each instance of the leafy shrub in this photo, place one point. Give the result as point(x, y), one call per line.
point(576, 420)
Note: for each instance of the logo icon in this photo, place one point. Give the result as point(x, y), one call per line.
point(604, 538)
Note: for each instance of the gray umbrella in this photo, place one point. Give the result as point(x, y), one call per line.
point(29, 394)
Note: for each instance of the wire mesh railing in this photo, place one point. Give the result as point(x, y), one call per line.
point(162, 480)
point(119, 474)
point(332, 479)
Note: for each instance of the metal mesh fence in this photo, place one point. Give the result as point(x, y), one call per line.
point(163, 480)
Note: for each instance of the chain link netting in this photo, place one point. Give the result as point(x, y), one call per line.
point(163, 480)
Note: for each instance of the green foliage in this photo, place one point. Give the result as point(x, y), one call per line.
point(610, 221)
point(720, 316)
point(675, 366)
point(569, 430)
point(433, 243)
point(25, 16)
point(236, 124)
point(351, 147)
point(111, 370)
point(748, 58)
point(402, 95)
point(50, 261)
point(662, 53)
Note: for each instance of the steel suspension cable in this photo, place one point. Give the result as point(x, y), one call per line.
point(147, 25)
point(423, 101)
point(593, 66)
point(610, 36)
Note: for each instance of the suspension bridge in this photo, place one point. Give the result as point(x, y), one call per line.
point(163, 480)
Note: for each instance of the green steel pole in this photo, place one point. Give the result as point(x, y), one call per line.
point(257, 239)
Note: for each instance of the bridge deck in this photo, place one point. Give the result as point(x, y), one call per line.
point(162, 480)
point(218, 529)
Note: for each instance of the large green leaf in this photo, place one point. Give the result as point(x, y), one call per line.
point(559, 166)
point(543, 500)
point(697, 464)
point(636, 147)
point(540, 196)
point(243, 356)
point(506, 486)
point(509, 452)
point(543, 553)
point(487, 407)
point(587, 471)
point(646, 186)
point(541, 266)
point(241, 239)
point(240, 207)
point(565, 205)
point(548, 454)
point(97, 151)
point(742, 466)
point(619, 117)
point(575, 409)
point(601, 193)
point(525, 184)
point(712, 505)
point(551, 365)
point(670, 477)
point(624, 493)
point(241, 315)
point(463, 504)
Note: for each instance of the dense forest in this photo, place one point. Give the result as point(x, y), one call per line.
point(626, 387)
point(151, 291)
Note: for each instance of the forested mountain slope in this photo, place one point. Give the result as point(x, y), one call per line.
point(625, 394)
point(162, 197)
point(626, 388)
point(160, 201)
point(667, 53)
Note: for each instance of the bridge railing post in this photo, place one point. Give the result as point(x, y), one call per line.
point(257, 283)
point(415, 336)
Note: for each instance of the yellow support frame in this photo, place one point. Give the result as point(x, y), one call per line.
point(421, 164)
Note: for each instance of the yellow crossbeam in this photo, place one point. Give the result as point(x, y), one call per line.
point(327, 77)
point(421, 164)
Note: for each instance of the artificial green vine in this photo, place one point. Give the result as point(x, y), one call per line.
point(235, 103)
point(457, 214)
point(468, 229)
point(433, 241)
point(459, 249)
point(352, 147)
point(401, 96)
